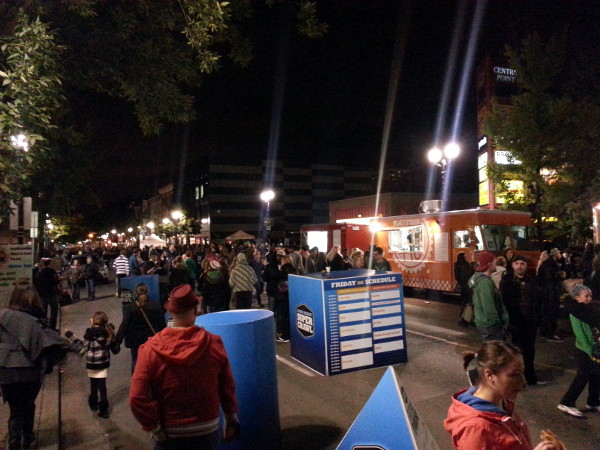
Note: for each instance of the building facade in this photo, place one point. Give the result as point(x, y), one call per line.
point(495, 82)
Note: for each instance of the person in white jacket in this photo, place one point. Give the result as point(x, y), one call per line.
point(500, 271)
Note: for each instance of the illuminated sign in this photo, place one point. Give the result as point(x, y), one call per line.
point(482, 160)
point(505, 157)
point(482, 142)
point(484, 193)
point(505, 74)
point(483, 174)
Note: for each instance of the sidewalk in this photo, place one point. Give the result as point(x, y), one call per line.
point(82, 428)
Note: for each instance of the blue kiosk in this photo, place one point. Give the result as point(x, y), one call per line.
point(347, 320)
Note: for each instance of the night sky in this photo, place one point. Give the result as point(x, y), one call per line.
point(335, 93)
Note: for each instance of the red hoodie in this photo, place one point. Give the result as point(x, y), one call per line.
point(181, 377)
point(473, 429)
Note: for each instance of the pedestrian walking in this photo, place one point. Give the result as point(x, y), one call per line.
point(519, 294)
point(181, 381)
point(491, 317)
point(74, 277)
point(242, 280)
point(46, 283)
point(98, 342)
point(121, 265)
point(283, 300)
point(463, 271)
point(142, 319)
point(585, 321)
point(92, 274)
point(550, 289)
point(483, 416)
point(215, 289)
point(29, 350)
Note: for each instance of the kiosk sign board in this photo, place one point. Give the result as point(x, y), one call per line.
point(16, 261)
point(347, 320)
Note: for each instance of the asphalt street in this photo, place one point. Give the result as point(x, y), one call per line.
point(316, 411)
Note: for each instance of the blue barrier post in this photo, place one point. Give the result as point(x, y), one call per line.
point(248, 339)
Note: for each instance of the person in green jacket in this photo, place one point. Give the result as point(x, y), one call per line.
point(491, 316)
point(585, 317)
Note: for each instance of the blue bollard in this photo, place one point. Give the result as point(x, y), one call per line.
point(248, 338)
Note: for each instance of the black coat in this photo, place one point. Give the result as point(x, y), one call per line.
point(215, 291)
point(134, 329)
point(521, 300)
point(272, 276)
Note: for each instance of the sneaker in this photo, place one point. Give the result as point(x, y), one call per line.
point(592, 408)
point(571, 411)
point(280, 339)
point(538, 383)
point(554, 338)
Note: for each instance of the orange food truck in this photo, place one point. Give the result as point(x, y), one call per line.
point(423, 247)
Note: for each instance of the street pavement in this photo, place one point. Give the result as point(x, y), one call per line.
point(316, 411)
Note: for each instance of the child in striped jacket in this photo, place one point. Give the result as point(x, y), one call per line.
point(99, 341)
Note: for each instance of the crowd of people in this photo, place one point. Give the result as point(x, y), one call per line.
point(193, 280)
point(510, 303)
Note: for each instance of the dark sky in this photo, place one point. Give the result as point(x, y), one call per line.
point(335, 91)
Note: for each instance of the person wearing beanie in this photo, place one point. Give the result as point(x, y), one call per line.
point(491, 317)
point(158, 398)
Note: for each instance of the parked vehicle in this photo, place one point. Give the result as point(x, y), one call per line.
point(102, 269)
point(423, 247)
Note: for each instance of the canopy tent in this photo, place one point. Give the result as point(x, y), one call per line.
point(239, 235)
point(153, 241)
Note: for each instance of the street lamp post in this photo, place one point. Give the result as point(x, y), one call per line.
point(266, 196)
point(20, 142)
point(176, 215)
point(442, 159)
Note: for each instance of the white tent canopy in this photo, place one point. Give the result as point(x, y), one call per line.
point(153, 241)
point(239, 235)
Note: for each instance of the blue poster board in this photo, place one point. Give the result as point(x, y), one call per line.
point(370, 431)
point(347, 320)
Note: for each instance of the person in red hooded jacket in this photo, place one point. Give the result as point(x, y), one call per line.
point(181, 378)
point(483, 416)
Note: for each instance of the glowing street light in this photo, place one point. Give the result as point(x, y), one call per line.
point(266, 196)
point(177, 215)
point(20, 141)
point(150, 225)
point(113, 231)
point(130, 230)
point(166, 221)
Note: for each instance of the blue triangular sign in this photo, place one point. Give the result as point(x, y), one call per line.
point(383, 422)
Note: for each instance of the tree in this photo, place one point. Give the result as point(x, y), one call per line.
point(551, 127)
point(29, 99)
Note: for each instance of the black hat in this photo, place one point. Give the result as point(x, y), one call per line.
point(520, 258)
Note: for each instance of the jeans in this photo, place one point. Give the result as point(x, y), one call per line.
point(75, 291)
point(206, 442)
point(118, 282)
point(524, 338)
point(588, 372)
point(21, 402)
point(495, 333)
point(50, 302)
point(283, 317)
point(91, 288)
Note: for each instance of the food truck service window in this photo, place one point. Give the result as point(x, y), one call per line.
point(496, 237)
point(525, 237)
point(461, 239)
point(406, 239)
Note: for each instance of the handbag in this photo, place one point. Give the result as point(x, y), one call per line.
point(468, 314)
